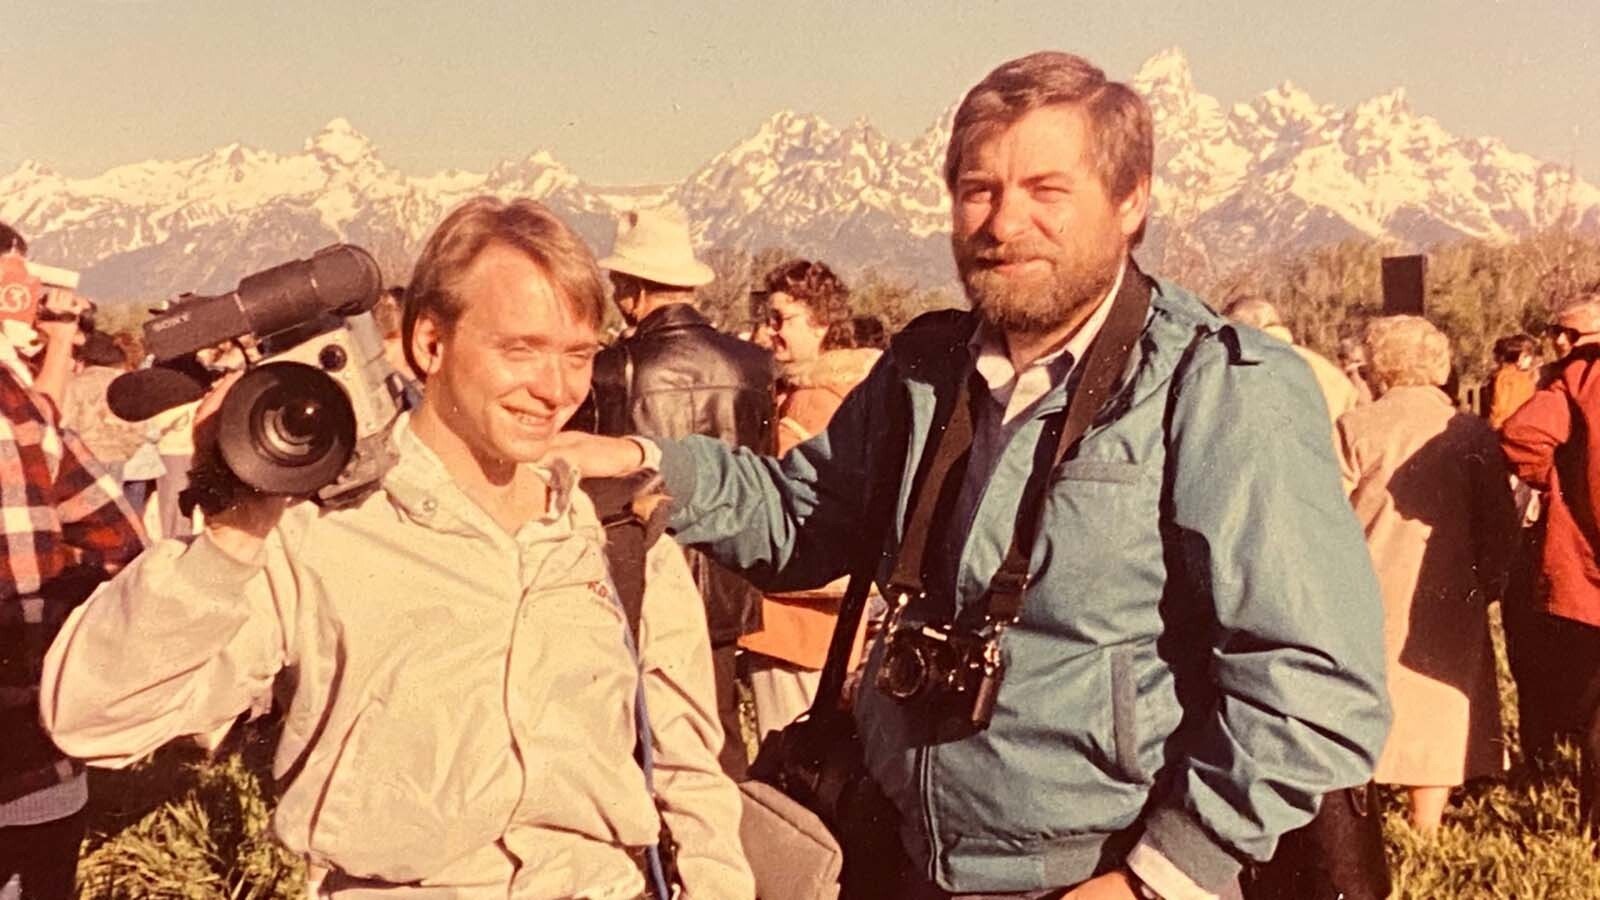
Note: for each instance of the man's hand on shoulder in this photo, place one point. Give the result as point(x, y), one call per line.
point(597, 457)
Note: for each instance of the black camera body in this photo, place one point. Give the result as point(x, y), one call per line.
point(952, 674)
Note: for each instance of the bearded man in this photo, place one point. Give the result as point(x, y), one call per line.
point(1192, 655)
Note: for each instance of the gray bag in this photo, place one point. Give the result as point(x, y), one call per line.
point(793, 855)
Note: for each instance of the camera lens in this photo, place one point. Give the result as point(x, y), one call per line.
point(286, 428)
point(905, 670)
point(292, 429)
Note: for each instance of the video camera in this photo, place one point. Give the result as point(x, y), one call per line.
point(56, 278)
point(310, 416)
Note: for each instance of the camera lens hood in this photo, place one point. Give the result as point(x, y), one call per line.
point(286, 428)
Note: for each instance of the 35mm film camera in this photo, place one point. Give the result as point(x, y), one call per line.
point(950, 673)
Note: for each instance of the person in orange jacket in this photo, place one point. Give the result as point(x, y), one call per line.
point(813, 343)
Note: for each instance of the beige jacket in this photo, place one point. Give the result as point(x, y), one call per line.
point(1338, 391)
point(460, 701)
point(1430, 489)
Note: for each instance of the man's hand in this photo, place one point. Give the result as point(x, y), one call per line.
point(242, 528)
point(1116, 885)
point(595, 456)
point(60, 327)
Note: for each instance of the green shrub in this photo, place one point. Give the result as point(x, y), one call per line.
point(184, 825)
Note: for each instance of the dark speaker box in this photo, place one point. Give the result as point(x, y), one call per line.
point(1404, 284)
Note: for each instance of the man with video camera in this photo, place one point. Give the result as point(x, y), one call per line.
point(64, 527)
point(459, 683)
point(1136, 633)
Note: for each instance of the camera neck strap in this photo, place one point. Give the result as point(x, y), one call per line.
point(881, 499)
point(936, 491)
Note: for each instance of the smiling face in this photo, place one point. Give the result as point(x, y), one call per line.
point(513, 368)
point(1037, 239)
point(796, 336)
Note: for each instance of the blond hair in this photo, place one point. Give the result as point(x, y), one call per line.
point(1407, 350)
point(522, 224)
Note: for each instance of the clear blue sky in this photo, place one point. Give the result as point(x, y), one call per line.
point(635, 92)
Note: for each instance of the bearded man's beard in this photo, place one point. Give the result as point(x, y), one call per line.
point(1037, 305)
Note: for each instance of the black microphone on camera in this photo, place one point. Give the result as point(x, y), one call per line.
point(136, 396)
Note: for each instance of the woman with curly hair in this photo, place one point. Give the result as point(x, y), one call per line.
point(814, 344)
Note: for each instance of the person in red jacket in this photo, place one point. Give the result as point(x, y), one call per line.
point(1549, 444)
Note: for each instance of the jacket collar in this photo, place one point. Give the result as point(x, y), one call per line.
point(422, 490)
point(671, 316)
point(933, 354)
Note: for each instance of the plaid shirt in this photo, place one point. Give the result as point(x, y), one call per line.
point(64, 526)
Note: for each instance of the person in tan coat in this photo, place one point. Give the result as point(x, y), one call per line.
point(813, 341)
point(1337, 389)
point(1429, 486)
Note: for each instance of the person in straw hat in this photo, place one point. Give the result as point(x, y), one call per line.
point(675, 375)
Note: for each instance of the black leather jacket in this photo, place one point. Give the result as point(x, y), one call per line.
point(676, 376)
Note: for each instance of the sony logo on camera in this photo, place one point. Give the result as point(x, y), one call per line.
point(310, 415)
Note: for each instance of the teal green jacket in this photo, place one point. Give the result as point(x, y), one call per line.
point(1200, 653)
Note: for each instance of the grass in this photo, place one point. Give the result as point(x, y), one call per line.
point(188, 825)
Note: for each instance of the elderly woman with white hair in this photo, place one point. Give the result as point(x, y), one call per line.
point(1429, 486)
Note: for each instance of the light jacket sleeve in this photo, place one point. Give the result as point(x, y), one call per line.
point(699, 803)
point(179, 643)
point(1266, 538)
point(790, 524)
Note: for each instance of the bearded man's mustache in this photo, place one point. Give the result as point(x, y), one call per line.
point(1015, 252)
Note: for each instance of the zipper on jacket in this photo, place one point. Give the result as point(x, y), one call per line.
point(925, 781)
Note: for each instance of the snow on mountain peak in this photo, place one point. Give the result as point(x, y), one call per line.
point(1168, 67)
point(1278, 171)
point(1289, 95)
point(35, 168)
point(1390, 103)
point(341, 141)
point(544, 158)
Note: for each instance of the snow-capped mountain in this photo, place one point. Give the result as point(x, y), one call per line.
point(1279, 171)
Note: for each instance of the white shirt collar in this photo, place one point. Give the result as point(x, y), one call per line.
point(1017, 391)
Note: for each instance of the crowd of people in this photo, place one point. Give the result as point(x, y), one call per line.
point(1157, 593)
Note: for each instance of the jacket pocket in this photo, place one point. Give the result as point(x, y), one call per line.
point(1125, 713)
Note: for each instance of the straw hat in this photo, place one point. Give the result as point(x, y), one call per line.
point(653, 244)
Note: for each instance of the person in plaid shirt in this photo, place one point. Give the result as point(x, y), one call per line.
point(64, 527)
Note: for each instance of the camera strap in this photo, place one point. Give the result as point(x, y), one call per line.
point(1106, 359)
point(884, 492)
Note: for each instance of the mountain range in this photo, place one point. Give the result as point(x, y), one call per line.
point(1278, 172)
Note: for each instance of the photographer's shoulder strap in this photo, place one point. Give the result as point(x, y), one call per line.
point(1106, 359)
point(944, 466)
point(882, 499)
